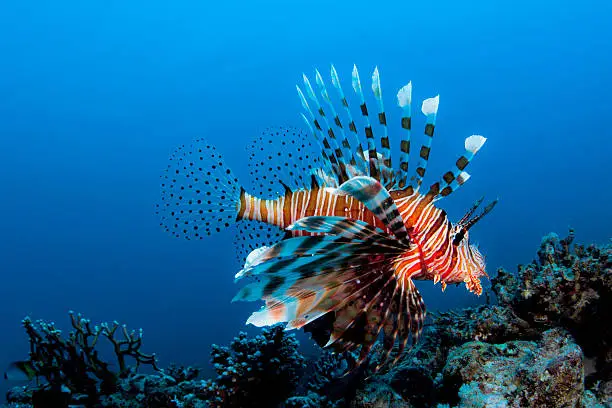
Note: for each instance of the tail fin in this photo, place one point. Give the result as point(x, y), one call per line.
point(199, 193)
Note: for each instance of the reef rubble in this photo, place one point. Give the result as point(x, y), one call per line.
point(547, 342)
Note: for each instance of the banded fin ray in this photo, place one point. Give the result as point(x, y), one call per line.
point(318, 246)
point(404, 100)
point(275, 277)
point(342, 226)
point(332, 165)
point(332, 142)
point(453, 179)
point(312, 297)
point(377, 199)
point(360, 157)
point(345, 144)
point(430, 110)
point(369, 133)
point(386, 167)
point(304, 278)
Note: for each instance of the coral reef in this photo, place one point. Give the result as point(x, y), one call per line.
point(565, 288)
point(257, 372)
point(545, 344)
point(547, 373)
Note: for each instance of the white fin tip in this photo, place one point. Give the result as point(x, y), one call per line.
point(430, 105)
point(334, 76)
point(376, 83)
point(404, 95)
point(355, 79)
point(474, 143)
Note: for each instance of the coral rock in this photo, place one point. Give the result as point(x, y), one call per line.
point(549, 373)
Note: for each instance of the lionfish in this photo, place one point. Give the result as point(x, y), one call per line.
point(340, 233)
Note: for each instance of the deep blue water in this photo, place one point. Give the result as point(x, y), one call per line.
point(94, 97)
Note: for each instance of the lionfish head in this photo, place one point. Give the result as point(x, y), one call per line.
point(474, 267)
point(469, 254)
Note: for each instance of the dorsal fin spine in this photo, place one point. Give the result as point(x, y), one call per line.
point(430, 110)
point(338, 154)
point(372, 155)
point(361, 161)
point(345, 145)
point(330, 161)
point(404, 100)
point(454, 179)
point(385, 162)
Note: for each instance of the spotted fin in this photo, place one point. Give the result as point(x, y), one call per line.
point(252, 235)
point(281, 158)
point(199, 193)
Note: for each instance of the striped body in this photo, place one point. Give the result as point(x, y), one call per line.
point(432, 256)
point(287, 209)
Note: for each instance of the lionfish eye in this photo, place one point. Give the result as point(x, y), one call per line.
point(459, 237)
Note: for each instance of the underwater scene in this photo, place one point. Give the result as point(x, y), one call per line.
point(306, 204)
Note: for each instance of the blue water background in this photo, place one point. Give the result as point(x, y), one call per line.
point(95, 95)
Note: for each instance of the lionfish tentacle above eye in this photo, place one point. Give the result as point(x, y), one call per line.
point(470, 212)
point(467, 222)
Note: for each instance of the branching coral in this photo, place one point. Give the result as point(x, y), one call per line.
point(73, 363)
